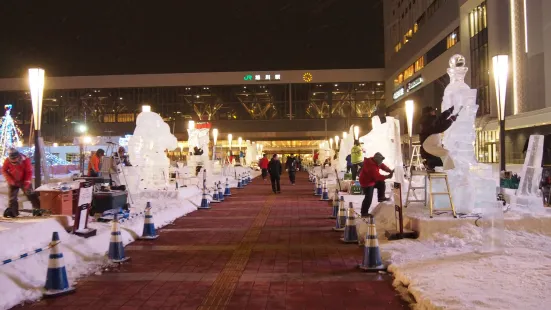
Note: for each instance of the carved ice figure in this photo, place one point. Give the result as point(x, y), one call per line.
point(385, 139)
point(146, 149)
point(526, 195)
point(471, 183)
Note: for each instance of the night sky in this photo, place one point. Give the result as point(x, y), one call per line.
point(146, 36)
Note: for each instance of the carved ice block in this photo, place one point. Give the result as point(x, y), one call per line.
point(527, 193)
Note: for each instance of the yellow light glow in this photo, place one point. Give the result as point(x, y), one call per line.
point(87, 140)
point(501, 71)
point(215, 135)
point(330, 143)
point(36, 84)
point(307, 77)
point(356, 132)
point(230, 137)
point(344, 135)
point(191, 125)
point(146, 108)
point(239, 140)
point(409, 116)
point(336, 141)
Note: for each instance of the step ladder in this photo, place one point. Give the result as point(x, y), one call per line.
point(430, 176)
point(416, 160)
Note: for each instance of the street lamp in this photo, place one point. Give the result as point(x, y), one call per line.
point(146, 108)
point(190, 127)
point(214, 137)
point(356, 133)
point(230, 137)
point(501, 72)
point(344, 135)
point(330, 143)
point(239, 140)
point(36, 84)
point(82, 128)
point(337, 142)
point(409, 120)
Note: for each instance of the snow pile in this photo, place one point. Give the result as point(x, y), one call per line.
point(449, 271)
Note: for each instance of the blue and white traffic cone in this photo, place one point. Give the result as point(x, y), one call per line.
point(350, 232)
point(116, 249)
point(249, 180)
point(205, 204)
point(340, 223)
point(244, 180)
point(325, 194)
point(149, 232)
point(220, 192)
point(336, 204)
point(227, 191)
point(372, 254)
point(318, 189)
point(239, 185)
point(57, 282)
point(315, 186)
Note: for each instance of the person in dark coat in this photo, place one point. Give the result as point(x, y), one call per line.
point(371, 179)
point(291, 165)
point(348, 163)
point(430, 125)
point(275, 170)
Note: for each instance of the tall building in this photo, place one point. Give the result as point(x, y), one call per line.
point(422, 35)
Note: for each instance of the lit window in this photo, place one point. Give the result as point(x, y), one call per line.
point(398, 47)
point(419, 63)
point(415, 28)
point(409, 72)
point(268, 77)
point(452, 39)
point(257, 77)
point(398, 80)
point(277, 76)
point(109, 118)
point(477, 20)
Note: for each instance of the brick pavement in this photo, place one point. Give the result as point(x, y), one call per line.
point(255, 251)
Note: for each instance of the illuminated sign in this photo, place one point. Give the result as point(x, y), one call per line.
point(399, 93)
point(307, 77)
point(262, 77)
point(411, 85)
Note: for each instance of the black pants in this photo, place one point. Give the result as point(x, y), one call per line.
point(368, 192)
point(276, 187)
point(433, 161)
point(348, 168)
point(264, 173)
point(355, 168)
point(13, 205)
point(292, 176)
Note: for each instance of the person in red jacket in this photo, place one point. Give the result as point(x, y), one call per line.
point(263, 164)
point(18, 172)
point(371, 179)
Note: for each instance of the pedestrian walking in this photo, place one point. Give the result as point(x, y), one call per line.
point(291, 166)
point(263, 164)
point(275, 170)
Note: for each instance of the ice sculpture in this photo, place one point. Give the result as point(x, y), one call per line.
point(345, 148)
point(146, 149)
point(199, 137)
point(471, 183)
point(251, 153)
point(385, 139)
point(530, 175)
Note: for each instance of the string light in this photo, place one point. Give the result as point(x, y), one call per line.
point(10, 134)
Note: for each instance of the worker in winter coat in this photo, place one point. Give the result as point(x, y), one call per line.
point(356, 157)
point(18, 172)
point(291, 165)
point(95, 163)
point(371, 179)
point(432, 151)
point(275, 169)
point(263, 164)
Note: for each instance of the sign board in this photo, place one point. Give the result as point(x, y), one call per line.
point(413, 84)
point(266, 77)
point(85, 196)
point(399, 93)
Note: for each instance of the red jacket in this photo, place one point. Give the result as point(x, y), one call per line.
point(19, 174)
point(263, 163)
point(370, 172)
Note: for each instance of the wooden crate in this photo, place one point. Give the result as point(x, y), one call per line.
point(60, 203)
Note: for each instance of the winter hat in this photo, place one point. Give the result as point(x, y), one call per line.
point(13, 153)
point(379, 156)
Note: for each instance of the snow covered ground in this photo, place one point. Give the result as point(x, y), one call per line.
point(23, 280)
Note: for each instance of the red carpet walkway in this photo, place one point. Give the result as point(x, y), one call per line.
point(255, 251)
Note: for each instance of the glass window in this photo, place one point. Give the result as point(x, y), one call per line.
point(477, 20)
point(409, 72)
point(109, 118)
point(452, 39)
point(125, 118)
point(419, 63)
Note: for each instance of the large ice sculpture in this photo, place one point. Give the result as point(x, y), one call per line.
point(526, 195)
point(146, 149)
point(385, 139)
point(199, 137)
point(470, 182)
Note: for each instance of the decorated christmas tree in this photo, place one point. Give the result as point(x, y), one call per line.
point(10, 134)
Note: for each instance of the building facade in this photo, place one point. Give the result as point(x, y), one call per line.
point(274, 105)
point(421, 36)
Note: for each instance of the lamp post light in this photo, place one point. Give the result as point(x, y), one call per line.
point(501, 72)
point(36, 84)
point(214, 137)
point(330, 143)
point(356, 133)
point(230, 137)
point(146, 108)
point(344, 135)
point(409, 120)
point(239, 140)
point(337, 143)
point(190, 127)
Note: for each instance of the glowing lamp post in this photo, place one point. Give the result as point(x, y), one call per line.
point(409, 119)
point(146, 108)
point(356, 133)
point(36, 84)
point(330, 143)
point(337, 142)
point(230, 137)
point(190, 127)
point(501, 72)
point(214, 138)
